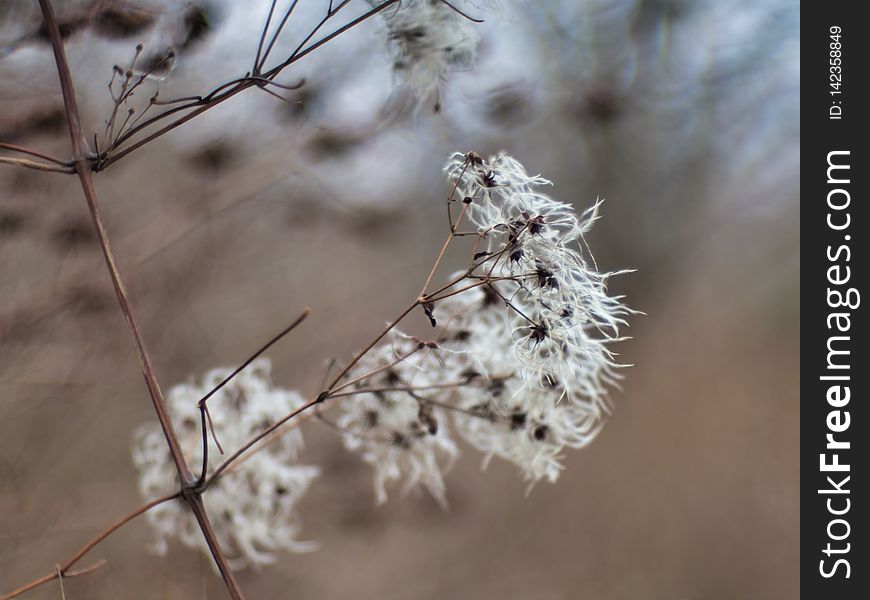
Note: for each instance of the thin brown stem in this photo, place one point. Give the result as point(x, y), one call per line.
point(326, 39)
point(204, 414)
point(36, 153)
point(263, 36)
point(272, 436)
point(86, 570)
point(511, 305)
point(419, 388)
point(336, 427)
point(253, 441)
point(486, 281)
point(261, 62)
point(374, 372)
point(302, 316)
point(228, 90)
point(65, 568)
point(87, 185)
point(60, 582)
point(421, 296)
point(433, 296)
point(51, 577)
point(38, 166)
point(466, 15)
point(453, 226)
point(329, 14)
point(114, 527)
point(371, 345)
point(324, 396)
point(458, 279)
point(82, 167)
point(478, 414)
point(166, 129)
point(441, 255)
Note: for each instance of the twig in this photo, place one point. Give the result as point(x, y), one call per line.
point(453, 226)
point(205, 419)
point(299, 54)
point(87, 184)
point(330, 12)
point(371, 345)
point(60, 581)
point(466, 15)
point(263, 36)
point(303, 315)
point(340, 429)
point(31, 164)
point(421, 297)
point(228, 90)
point(253, 441)
point(203, 408)
point(51, 577)
point(272, 436)
point(260, 63)
point(37, 154)
point(86, 570)
point(406, 388)
point(487, 280)
point(65, 568)
point(471, 412)
point(373, 372)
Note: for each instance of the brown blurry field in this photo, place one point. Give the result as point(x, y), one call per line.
point(690, 492)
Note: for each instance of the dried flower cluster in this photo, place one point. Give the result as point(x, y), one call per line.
point(518, 368)
point(252, 507)
point(542, 328)
point(521, 361)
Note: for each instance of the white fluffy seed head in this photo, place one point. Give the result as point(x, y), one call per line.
point(401, 432)
point(544, 321)
point(521, 361)
point(252, 505)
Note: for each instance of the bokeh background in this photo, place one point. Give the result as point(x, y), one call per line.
point(682, 114)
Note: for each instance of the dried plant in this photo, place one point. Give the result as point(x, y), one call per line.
point(518, 364)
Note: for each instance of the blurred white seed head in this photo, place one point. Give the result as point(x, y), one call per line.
point(428, 39)
point(252, 505)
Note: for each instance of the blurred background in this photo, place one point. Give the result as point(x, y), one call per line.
point(682, 114)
